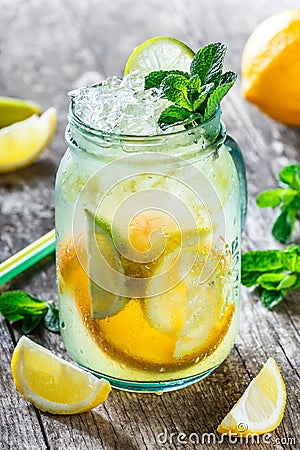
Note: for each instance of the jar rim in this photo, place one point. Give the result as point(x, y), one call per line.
point(109, 136)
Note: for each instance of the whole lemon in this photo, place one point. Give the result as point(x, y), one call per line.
point(271, 67)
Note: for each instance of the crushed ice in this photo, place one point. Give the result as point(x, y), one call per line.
point(121, 106)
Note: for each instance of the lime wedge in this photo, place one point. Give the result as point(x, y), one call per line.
point(104, 264)
point(160, 53)
point(14, 110)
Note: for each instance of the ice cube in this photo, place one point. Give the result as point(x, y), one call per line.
point(134, 81)
point(121, 106)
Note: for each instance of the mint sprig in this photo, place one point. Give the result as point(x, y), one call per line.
point(196, 95)
point(286, 199)
point(30, 311)
point(275, 272)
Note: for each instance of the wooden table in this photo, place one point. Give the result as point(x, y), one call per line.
point(49, 48)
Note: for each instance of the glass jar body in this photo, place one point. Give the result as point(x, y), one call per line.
point(161, 311)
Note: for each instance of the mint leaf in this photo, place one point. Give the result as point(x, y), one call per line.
point(215, 98)
point(288, 282)
point(275, 271)
point(176, 115)
point(228, 77)
point(30, 323)
point(215, 72)
point(290, 258)
point(154, 79)
point(290, 175)
point(15, 305)
point(203, 61)
point(296, 285)
point(275, 197)
point(277, 281)
point(200, 99)
point(175, 88)
point(192, 120)
point(195, 83)
point(51, 319)
point(249, 279)
point(283, 226)
point(193, 90)
point(262, 261)
point(271, 298)
point(291, 198)
point(20, 306)
point(173, 115)
point(208, 63)
point(270, 198)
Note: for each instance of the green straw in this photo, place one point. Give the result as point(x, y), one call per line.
point(27, 257)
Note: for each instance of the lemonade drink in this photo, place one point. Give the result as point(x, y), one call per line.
point(148, 232)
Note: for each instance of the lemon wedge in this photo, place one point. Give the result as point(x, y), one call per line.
point(261, 407)
point(52, 384)
point(22, 142)
point(15, 109)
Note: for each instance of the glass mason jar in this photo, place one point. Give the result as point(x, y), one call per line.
point(148, 252)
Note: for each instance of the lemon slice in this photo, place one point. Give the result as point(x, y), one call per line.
point(52, 384)
point(167, 294)
point(178, 305)
point(14, 110)
point(22, 142)
point(160, 53)
point(261, 407)
point(208, 315)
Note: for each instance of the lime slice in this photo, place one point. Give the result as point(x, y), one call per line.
point(14, 110)
point(160, 53)
point(103, 265)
